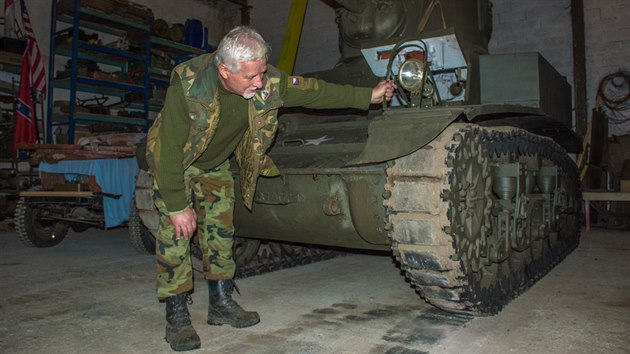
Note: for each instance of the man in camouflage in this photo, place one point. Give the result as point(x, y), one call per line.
point(217, 105)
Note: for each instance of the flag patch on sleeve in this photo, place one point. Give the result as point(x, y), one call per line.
point(302, 83)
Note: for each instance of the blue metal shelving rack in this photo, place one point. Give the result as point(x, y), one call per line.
point(88, 18)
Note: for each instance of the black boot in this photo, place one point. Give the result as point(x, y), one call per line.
point(223, 310)
point(180, 333)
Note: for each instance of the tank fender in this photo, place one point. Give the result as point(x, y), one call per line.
point(400, 132)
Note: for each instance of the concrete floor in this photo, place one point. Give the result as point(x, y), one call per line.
point(94, 294)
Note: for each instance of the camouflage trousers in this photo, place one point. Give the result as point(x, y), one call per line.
point(211, 194)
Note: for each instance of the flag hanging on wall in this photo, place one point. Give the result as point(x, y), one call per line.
point(32, 80)
point(9, 19)
point(37, 70)
point(24, 130)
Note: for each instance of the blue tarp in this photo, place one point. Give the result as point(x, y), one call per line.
point(115, 176)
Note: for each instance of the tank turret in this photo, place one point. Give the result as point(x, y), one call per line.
point(367, 24)
point(364, 24)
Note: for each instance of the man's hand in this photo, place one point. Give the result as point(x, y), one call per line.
point(383, 90)
point(185, 223)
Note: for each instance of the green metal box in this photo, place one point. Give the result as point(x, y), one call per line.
point(525, 79)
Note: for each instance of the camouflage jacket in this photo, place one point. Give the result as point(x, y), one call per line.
point(200, 81)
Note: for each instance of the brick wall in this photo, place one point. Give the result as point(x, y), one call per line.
point(607, 24)
point(534, 26)
point(545, 26)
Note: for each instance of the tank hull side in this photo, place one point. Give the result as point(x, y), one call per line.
point(333, 207)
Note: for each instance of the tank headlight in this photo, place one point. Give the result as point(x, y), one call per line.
point(411, 75)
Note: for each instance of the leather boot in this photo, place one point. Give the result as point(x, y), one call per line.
point(180, 333)
point(223, 310)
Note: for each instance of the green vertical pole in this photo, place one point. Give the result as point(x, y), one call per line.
point(292, 33)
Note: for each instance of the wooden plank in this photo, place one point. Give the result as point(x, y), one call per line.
point(15, 69)
point(58, 194)
point(583, 158)
point(579, 65)
point(10, 58)
point(607, 196)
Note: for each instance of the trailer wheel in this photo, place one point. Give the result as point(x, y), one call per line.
point(141, 238)
point(34, 230)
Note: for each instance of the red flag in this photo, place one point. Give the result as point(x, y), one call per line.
point(37, 71)
point(24, 115)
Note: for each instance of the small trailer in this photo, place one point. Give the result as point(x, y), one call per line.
point(80, 187)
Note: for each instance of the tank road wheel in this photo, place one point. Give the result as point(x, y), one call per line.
point(470, 238)
point(35, 229)
point(144, 221)
point(141, 238)
point(245, 250)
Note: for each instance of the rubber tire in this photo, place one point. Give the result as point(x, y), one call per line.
point(141, 238)
point(32, 232)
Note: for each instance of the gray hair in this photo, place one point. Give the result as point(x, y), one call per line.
point(241, 44)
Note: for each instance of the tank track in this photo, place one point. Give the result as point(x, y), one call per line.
point(274, 256)
point(439, 241)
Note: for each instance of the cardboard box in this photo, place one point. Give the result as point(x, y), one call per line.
point(625, 186)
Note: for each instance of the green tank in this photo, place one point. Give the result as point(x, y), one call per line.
point(464, 176)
